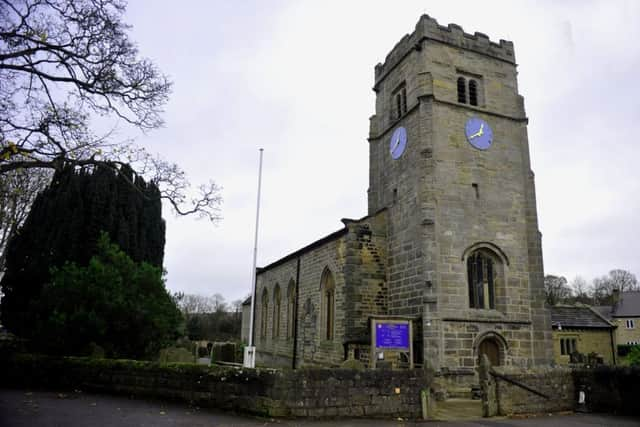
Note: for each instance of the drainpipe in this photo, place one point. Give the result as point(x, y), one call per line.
point(613, 347)
point(295, 317)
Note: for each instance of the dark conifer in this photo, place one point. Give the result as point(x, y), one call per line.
point(64, 225)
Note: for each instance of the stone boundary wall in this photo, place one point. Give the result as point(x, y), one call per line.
point(288, 393)
point(510, 399)
point(610, 389)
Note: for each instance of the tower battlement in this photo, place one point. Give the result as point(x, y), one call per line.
point(428, 29)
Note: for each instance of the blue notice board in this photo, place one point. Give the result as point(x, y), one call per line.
point(392, 335)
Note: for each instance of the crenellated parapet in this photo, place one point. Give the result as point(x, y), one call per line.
point(427, 29)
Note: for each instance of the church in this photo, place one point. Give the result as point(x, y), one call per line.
point(450, 246)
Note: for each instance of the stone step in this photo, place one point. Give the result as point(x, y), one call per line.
point(458, 409)
point(459, 393)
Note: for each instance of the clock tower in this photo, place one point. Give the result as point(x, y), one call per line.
point(449, 160)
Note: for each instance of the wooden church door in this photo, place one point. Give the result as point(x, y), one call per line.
point(491, 349)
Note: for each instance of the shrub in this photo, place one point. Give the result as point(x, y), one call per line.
point(115, 303)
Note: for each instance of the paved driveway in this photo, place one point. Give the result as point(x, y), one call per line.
point(20, 408)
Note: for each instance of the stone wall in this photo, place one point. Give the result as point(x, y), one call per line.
point(610, 389)
point(446, 199)
point(356, 258)
point(545, 390)
point(304, 392)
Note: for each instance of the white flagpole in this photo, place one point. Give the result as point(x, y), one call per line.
point(250, 350)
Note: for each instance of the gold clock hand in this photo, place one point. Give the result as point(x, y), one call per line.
point(481, 131)
point(396, 144)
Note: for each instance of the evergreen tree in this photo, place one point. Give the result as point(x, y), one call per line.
point(113, 302)
point(64, 225)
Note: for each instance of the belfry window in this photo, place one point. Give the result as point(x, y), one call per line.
point(399, 104)
point(328, 295)
point(462, 90)
point(264, 313)
point(276, 311)
point(470, 89)
point(473, 92)
point(481, 280)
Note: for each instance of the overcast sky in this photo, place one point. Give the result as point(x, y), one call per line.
point(295, 78)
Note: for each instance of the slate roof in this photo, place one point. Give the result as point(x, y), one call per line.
point(603, 310)
point(628, 306)
point(578, 317)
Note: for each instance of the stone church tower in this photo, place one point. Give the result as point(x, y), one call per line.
point(449, 159)
point(451, 240)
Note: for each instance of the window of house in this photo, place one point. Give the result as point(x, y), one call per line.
point(632, 342)
point(291, 306)
point(399, 104)
point(630, 324)
point(568, 346)
point(264, 313)
point(481, 273)
point(328, 295)
point(276, 311)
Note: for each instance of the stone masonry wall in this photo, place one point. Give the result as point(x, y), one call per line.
point(305, 392)
point(365, 272)
point(611, 389)
point(357, 260)
point(446, 198)
point(556, 383)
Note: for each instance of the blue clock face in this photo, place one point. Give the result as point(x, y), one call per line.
point(479, 133)
point(398, 143)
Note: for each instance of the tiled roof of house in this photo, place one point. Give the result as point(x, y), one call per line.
point(603, 310)
point(628, 306)
point(577, 317)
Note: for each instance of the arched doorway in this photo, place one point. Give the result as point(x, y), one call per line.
point(491, 348)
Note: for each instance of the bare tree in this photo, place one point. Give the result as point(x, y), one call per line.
point(191, 304)
point(218, 303)
point(18, 189)
point(64, 62)
point(556, 289)
point(619, 279)
point(580, 290)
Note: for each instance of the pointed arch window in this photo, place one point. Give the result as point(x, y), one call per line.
point(276, 312)
point(328, 295)
point(291, 306)
point(264, 313)
point(481, 271)
point(473, 92)
point(462, 90)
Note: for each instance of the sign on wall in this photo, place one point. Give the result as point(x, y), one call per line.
point(391, 340)
point(392, 335)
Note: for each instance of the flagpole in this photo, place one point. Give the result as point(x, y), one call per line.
point(250, 350)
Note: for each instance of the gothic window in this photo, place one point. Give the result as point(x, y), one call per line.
point(469, 89)
point(481, 273)
point(399, 102)
point(264, 313)
point(276, 311)
point(291, 306)
point(462, 90)
point(328, 302)
point(473, 92)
